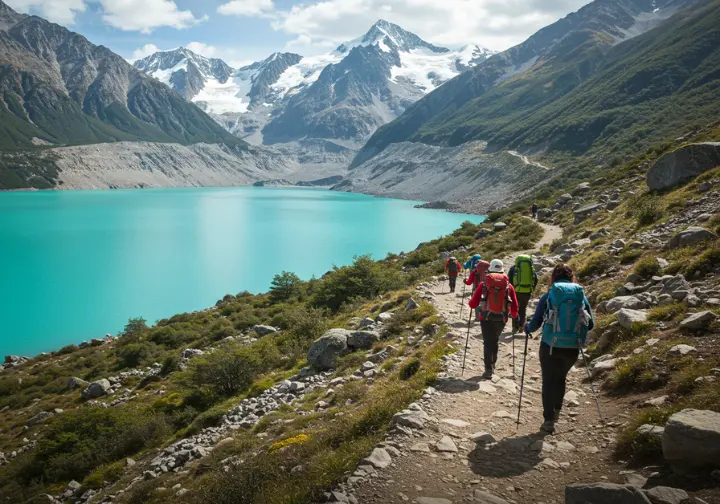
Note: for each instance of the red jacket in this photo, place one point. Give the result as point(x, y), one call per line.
point(477, 296)
point(459, 268)
point(471, 279)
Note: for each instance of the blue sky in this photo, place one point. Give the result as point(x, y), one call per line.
point(240, 31)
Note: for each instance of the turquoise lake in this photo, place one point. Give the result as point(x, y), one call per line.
point(76, 265)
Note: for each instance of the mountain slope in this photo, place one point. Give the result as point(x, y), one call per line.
point(515, 83)
point(56, 87)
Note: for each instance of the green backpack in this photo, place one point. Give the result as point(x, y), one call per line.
point(524, 276)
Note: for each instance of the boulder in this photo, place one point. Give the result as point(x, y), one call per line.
point(682, 164)
point(482, 233)
point(667, 495)
point(692, 440)
point(682, 350)
point(544, 213)
point(446, 444)
point(564, 198)
point(97, 389)
point(627, 317)
point(40, 418)
point(581, 189)
point(499, 226)
point(384, 317)
point(366, 322)
point(652, 431)
point(620, 302)
point(362, 339)
point(379, 458)
point(414, 418)
point(690, 236)
point(264, 330)
point(604, 493)
point(411, 304)
point(586, 211)
point(325, 350)
point(698, 321)
point(76, 382)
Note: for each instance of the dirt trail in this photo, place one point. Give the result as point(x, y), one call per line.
point(523, 465)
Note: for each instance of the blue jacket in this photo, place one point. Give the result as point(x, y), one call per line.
point(537, 320)
point(472, 262)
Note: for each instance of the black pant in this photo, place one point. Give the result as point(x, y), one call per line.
point(453, 279)
point(555, 369)
point(491, 331)
point(523, 298)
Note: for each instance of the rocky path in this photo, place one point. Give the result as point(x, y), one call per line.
point(473, 451)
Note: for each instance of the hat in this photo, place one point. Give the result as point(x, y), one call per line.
point(496, 266)
point(453, 258)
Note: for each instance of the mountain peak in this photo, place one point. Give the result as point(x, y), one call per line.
point(389, 36)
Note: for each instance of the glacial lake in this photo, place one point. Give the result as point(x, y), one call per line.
point(75, 265)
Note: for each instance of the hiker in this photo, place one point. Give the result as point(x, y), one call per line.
point(472, 262)
point(477, 277)
point(496, 299)
point(565, 316)
point(452, 266)
point(524, 280)
point(533, 209)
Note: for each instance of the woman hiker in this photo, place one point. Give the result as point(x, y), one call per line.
point(453, 267)
point(566, 317)
point(496, 301)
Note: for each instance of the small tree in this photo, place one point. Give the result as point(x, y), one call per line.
point(284, 286)
point(134, 330)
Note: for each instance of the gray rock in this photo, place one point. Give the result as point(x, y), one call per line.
point(366, 322)
point(446, 444)
point(40, 418)
point(499, 226)
point(362, 339)
point(627, 317)
point(97, 389)
point(581, 189)
point(667, 495)
point(324, 351)
point(620, 302)
point(487, 498)
point(654, 431)
point(681, 350)
point(586, 211)
point(433, 500)
point(482, 233)
point(692, 235)
point(564, 198)
point(633, 478)
point(544, 213)
point(411, 304)
point(604, 493)
point(618, 244)
point(379, 458)
point(482, 437)
point(698, 321)
point(683, 164)
point(410, 418)
point(692, 440)
point(76, 382)
point(384, 317)
point(264, 330)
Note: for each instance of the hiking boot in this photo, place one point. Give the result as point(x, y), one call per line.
point(556, 414)
point(548, 426)
point(487, 374)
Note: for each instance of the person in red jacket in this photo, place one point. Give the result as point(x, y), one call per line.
point(453, 268)
point(496, 301)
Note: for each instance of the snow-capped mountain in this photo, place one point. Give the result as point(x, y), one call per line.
point(344, 95)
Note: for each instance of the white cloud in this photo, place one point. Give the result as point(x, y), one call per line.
point(57, 11)
point(143, 52)
point(146, 15)
point(497, 24)
point(203, 49)
point(246, 8)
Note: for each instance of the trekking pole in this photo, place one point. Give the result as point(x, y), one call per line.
point(592, 386)
point(467, 342)
point(462, 301)
point(522, 379)
point(513, 351)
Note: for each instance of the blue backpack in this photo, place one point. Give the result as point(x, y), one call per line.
point(566, 320)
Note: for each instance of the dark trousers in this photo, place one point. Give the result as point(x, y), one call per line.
point(452, 279)
point(555, 369)
point(523, 298)
point(491, 331)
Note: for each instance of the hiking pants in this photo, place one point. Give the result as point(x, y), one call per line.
point(523, 298)
point(452, 279)
point(555, 369)
point(491, 331)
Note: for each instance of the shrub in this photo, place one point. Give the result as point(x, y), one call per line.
point(68, 349)
point(224, 373)
point(647, 267)
point(646, 211)
point(79, 441)
point(674, 311)
point(131, 355)
point(635, 374)
point(134, 330)
point(596, 262)
point(629, 256)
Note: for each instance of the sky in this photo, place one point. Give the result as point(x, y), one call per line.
point(242, 31)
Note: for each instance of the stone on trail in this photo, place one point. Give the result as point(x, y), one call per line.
point(682, 164)
point(410, 418)
point(564, 446)
point(691, 236)
point(633, 478)
point(604, 493)
point(681, 350)
point(502, 414)
point(455, 422)
point(698, 321)
point(446, 444)
point(627, 317)
point(667, 495)
point(486, 388)
point(325, 350)
point(420, 447)
point(487, 498)
point(482, 437)
point(433, 500)
point(651, 430)
point(691, 440)
point(379, 458)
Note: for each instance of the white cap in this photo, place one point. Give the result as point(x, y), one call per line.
point(496, 266)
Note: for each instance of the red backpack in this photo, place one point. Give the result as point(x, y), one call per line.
point(480, 272)
point(495, 294)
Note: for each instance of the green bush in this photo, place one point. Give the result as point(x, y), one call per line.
point(224, 373)
point(647, 267)
point(134, 330)
point(130, 356)
point(647, 211)
point(596, 262)
point(284, 286)
point(79, 441)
